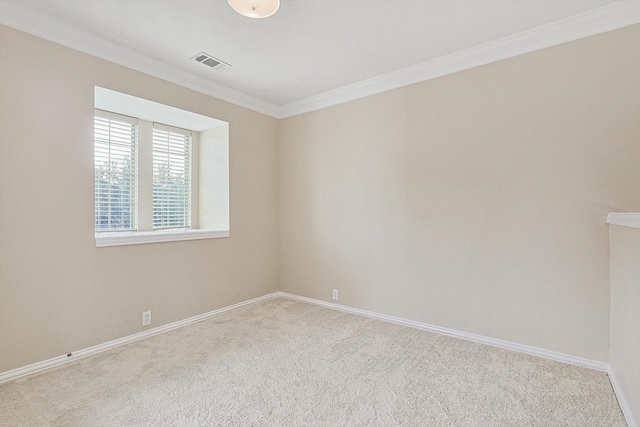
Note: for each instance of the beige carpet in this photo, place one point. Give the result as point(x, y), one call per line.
point(286, 363)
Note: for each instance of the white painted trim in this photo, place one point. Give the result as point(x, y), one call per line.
point(140, 237)
point(595, 21)
point(60, 360)
point(624, 219)
point(622, 400)
point(507, 345)
point(21, 17)
point(607, 18)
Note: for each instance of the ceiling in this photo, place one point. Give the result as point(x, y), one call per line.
point(309, 50)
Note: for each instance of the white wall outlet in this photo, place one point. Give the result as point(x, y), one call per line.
point(335, 294)
point(146, 318)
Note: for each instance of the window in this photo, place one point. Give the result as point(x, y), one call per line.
point(115, 172)
point(171, 177)
point(161, 174)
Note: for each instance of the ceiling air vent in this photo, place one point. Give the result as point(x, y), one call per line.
point(210, 61)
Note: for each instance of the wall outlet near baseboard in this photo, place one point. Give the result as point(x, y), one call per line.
point(335, 294)
point(146, 318)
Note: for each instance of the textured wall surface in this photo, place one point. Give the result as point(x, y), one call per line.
point(58, 293)
point(475, 201)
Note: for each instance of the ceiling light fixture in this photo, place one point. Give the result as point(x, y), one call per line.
point(257, 9)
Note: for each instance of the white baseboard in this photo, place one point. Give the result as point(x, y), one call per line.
point(60, 360)
point(534, 351)
point(622, 400)
point(507, 345)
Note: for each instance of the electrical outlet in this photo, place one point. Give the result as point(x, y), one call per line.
point(335, 294)
point(146, 318)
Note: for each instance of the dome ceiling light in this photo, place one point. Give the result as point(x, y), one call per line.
point(256, 9)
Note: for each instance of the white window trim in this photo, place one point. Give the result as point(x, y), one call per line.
point(115, 238)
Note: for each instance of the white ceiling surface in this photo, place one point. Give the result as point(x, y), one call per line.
point(309, 48)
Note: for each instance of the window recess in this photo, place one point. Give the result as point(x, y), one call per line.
point(160, 177)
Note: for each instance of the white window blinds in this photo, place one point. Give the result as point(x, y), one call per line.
point(171, 177)
point(115, 164)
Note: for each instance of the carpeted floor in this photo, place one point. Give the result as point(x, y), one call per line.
point(287, 363)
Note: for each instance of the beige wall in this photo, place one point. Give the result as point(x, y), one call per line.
point(625, 313)
point(58, 293)
point(475, 201)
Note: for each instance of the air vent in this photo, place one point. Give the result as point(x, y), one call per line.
point(210, 61)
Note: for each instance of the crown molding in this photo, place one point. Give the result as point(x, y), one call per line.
point(20, 17)
point(596, 21)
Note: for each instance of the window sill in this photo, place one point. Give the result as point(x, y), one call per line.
point(624, 219)
point(140, 237)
